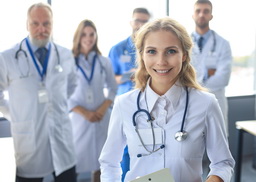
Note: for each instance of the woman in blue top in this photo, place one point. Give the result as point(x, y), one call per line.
point(90, 103)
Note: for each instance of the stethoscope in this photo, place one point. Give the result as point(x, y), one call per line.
point(58, 67)
point(181, 135)
point(214, 42)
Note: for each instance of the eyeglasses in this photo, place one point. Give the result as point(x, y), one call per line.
point(138, 21)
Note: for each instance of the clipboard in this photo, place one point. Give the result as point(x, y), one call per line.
point(162, 175)
point(126, 76)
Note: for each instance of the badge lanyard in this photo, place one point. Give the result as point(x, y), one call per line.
point(92, 72)
point(45, 63)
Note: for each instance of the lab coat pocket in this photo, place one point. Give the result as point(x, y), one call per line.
point(26, 98)
point(150, 137)
point(145, 142)
point(211, 61)
point(23, 135)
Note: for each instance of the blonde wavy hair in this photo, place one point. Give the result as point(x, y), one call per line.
point(187, 75)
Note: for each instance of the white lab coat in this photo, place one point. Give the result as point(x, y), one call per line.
point(204, 124)
point(41, 131)
point(221, 60)
point(89, 137)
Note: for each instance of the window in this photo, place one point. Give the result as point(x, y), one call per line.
point(14, 15)
point(234, 20)
point(111, 17)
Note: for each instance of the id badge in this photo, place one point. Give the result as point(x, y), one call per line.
point(125, 58)
point(147, 136)
point(89, 96)
point(42, 96)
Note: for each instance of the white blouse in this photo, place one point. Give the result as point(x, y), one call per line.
point(204, 124)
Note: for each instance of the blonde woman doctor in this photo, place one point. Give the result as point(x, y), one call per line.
point(168, 121)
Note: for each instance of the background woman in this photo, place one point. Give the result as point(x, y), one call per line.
point(89, 105)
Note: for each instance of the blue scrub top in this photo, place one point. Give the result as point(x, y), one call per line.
point(117, 53)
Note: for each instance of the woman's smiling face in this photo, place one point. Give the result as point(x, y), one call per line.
point(163, 57)
point(88, 39)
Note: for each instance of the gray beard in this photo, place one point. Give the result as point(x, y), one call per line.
point(39, 43)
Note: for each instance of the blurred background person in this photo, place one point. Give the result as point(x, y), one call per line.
point(212, 57)
point(39, 77)
point(122, 56)
point(89, 105)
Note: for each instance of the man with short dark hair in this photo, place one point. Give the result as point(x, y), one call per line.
point(123, 54)
point(211, 56)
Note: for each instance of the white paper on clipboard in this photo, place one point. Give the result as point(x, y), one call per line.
point(162, 175)
point(126, 76)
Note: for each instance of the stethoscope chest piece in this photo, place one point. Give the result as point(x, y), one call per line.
point(59, 68)
point(181, 136)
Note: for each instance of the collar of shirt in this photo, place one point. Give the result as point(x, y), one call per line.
point(89, 59)
point(205, 36)
point(172, 95)
point(34, 48)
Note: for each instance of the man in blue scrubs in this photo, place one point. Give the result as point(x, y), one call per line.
point(122, 56)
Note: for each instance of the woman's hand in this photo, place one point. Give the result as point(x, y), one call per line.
point(100, 112)
point(91, 116)
point(214, 179)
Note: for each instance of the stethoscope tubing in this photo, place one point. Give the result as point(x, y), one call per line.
point(185, 111)
point(214, 41)
point(149, 116)
point(57, 67)
point(25, 53)
point(181, 135)
point(140, 110)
